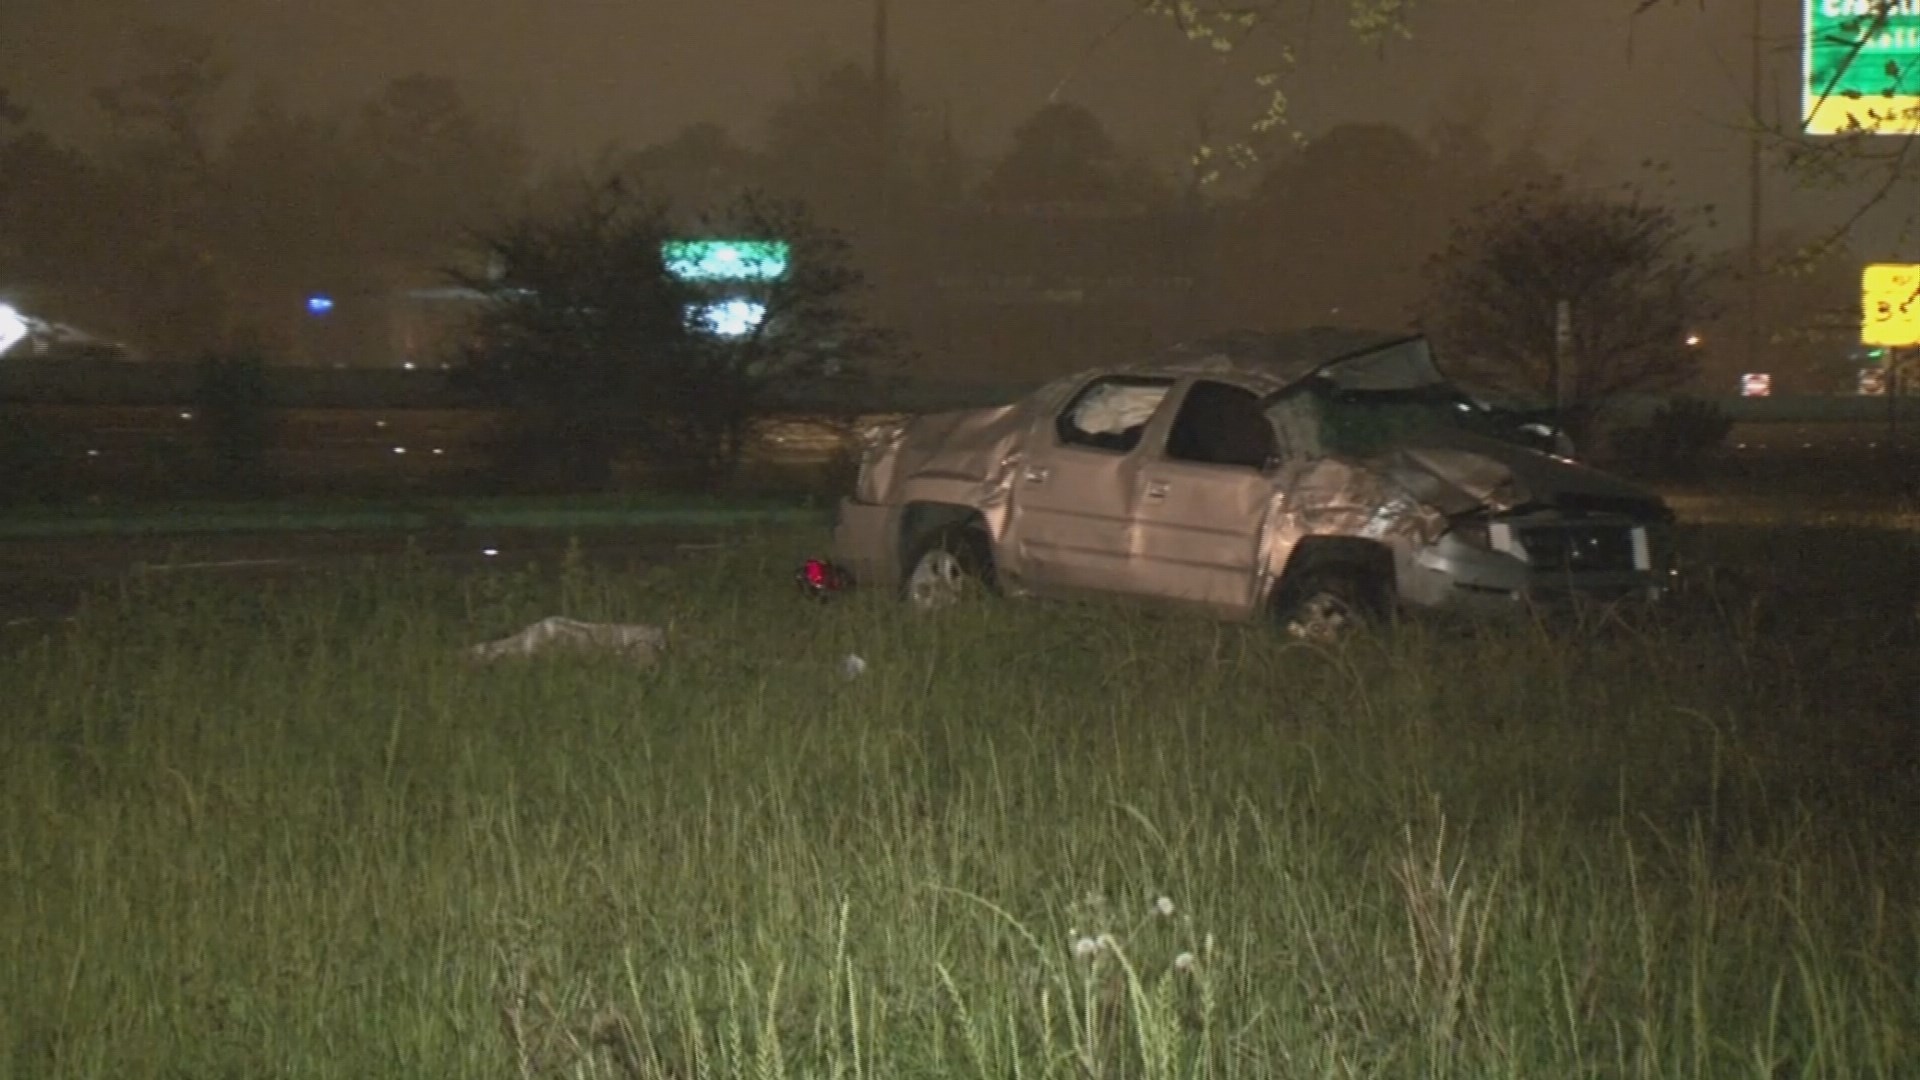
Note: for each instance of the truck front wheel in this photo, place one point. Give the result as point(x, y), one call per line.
point(946, 566)
point(1330, 601)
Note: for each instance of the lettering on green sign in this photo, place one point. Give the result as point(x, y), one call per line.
point(1862, 66)
point(725, 260)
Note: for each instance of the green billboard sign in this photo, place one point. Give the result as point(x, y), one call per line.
point(726, 260)
point(1862, 67)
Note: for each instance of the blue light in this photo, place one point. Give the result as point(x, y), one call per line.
point(318, 304)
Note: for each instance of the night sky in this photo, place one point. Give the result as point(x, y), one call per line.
point(1602, 89)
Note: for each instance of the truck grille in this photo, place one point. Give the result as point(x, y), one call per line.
point(1579, 549)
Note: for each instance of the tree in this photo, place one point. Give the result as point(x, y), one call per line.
point(1336, 232)
point(51, 226)
point(1063, 156)
point(601, 352)
point(1882, 169)
point(289, 185)
point(1868, 107)
point(858, 151)
point(1808, 301)
point(294, 216)
point(698, 165)
point(1622, 266)
point(238, 422)
point(1340, 229)
point(11, 115)
point(831, 146)
point(167, 109)
point(434, 170)
point(808, 328)
point(168, 281)
point(1227, 26)
point(578, 311)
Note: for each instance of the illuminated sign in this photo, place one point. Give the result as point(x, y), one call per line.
point(1890, 305)
point(319, 305)
point(1861, 69)
point(725, 260)
point(1756, 384)
point(728, 318)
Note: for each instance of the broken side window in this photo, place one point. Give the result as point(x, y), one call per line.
point(1221, 424)
point(1111, 413)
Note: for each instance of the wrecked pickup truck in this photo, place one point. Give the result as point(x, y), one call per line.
point(1322, 478)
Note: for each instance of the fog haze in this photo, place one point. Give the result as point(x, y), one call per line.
point(1587, 81)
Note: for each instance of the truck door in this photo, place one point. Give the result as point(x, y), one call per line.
point(1204, 499)
point(1071, 527)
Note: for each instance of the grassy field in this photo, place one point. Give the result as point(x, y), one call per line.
point(290, 831)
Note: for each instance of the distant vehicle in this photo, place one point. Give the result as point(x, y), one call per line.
point(1322, 478)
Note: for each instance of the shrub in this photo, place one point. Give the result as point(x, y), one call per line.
point(30, 468)
point(1676, 439)
point(237, 421)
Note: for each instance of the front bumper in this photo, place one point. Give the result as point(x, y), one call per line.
point(863, 542)
point(1541, 562)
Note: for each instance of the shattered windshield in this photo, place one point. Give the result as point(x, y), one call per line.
point(1375, 400)
point(1322, 418)
point(1362, 423)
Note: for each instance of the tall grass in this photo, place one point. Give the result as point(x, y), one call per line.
point(288, 831)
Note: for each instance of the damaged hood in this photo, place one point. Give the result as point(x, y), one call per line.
point(1458, 472)
point(1416, 489)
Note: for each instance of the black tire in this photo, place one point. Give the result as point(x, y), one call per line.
point(1331, 601)
point(945, 565)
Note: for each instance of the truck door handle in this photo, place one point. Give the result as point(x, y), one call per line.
point(1037, 474)
point(1156, 489)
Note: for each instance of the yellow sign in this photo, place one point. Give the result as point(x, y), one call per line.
point(1890, 305)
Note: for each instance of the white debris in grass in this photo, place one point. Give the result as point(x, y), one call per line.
point(640, 643)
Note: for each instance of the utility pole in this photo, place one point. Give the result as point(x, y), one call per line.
point(1754, 189)
point(1562, 358)
point(883, 108)
point(1893, 404)
point(880, 59)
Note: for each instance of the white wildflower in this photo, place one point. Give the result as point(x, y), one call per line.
point(852, 666)
point(1164, 905)
point(1184, 962)
point(1085, 948)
